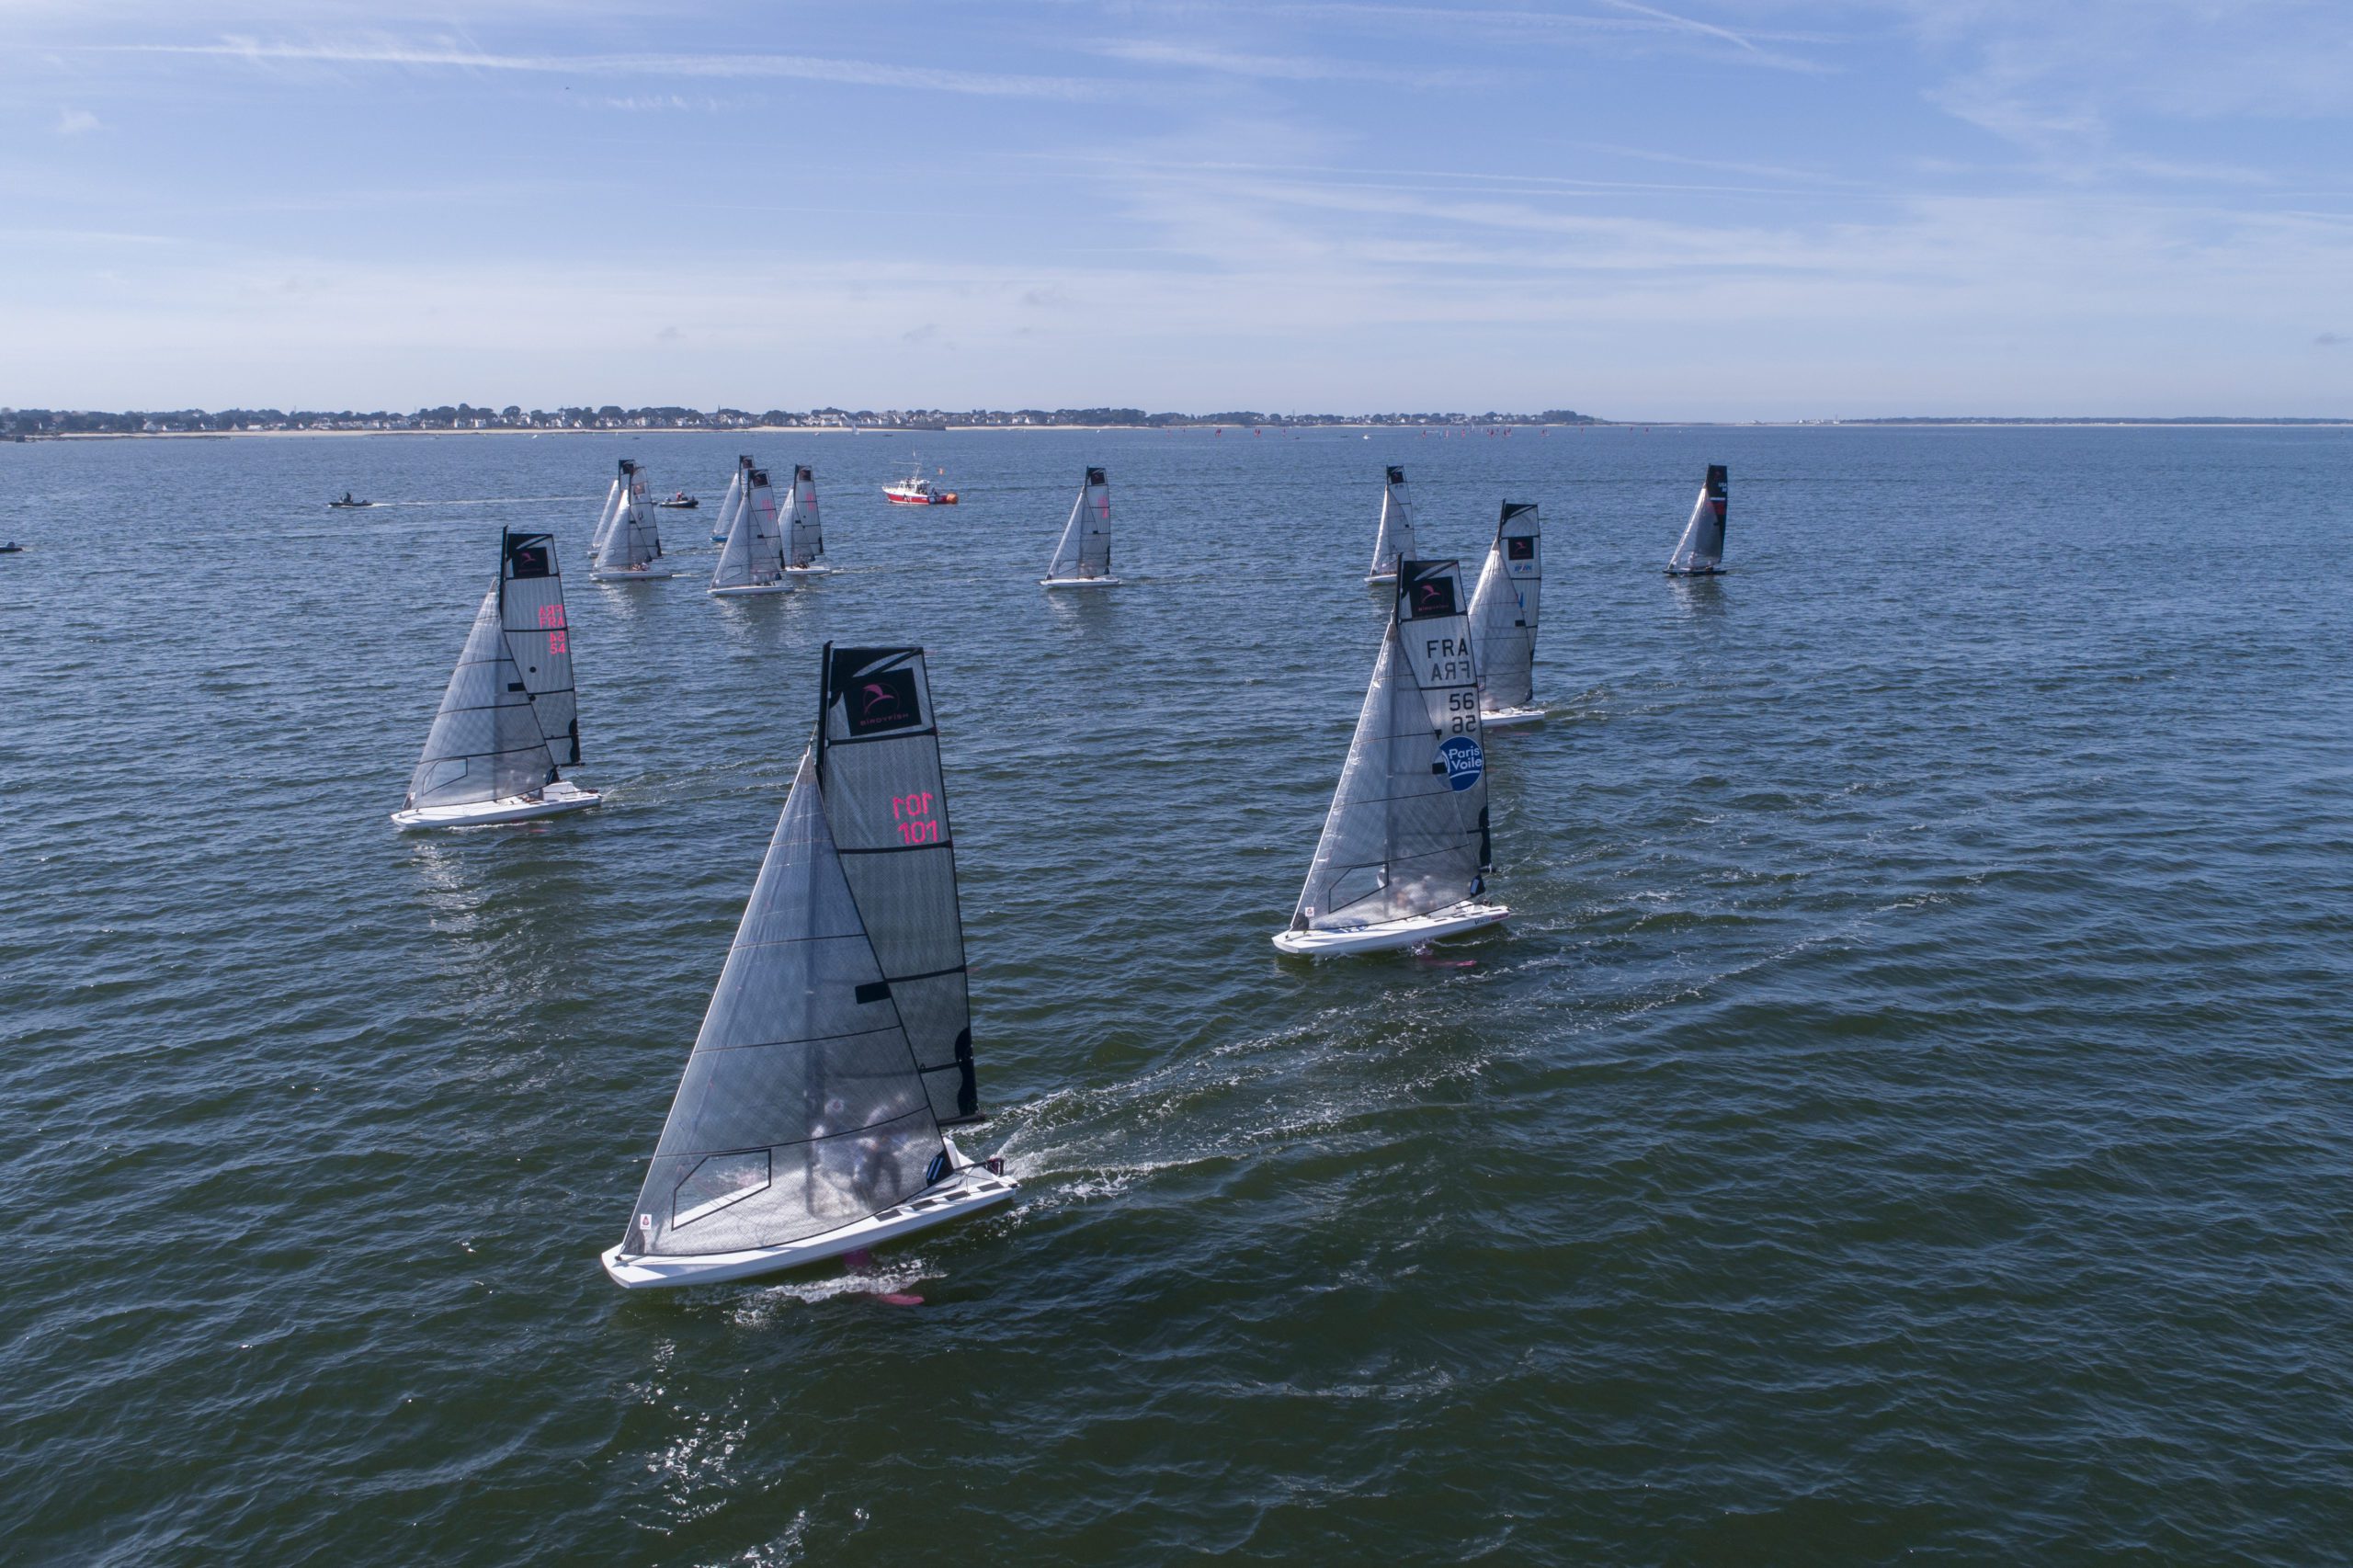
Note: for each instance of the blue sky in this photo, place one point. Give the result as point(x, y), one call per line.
point(1710, 209)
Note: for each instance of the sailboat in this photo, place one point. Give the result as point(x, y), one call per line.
point(803, 540)
point(616, 499)
point(510, 720)
point(1503, 620)
point(632, 547)
point(1701, 548)
point(752, 561)
point(837, 1050)
point(1083, 556)
point(725, 520)
point(1395, 540)
point(1404, 851)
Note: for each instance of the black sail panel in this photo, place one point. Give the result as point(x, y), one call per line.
point(879, 760)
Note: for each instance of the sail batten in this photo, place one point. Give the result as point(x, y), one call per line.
point(1701, 548)
point(1395, 540)
point(1503, 609)
point(1406, 834)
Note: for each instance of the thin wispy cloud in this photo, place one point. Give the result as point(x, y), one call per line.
point(795, 67)
point(1278, 67)
point(75, 122)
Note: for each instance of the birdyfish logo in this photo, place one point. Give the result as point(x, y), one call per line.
point(1465, 763)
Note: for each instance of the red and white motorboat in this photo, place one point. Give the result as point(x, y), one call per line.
point(916, 491)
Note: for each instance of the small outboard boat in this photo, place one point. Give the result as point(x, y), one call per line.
point(679, 500)
point(12, 548)
point(348, 502)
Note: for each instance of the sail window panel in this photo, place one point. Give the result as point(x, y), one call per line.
point(936, 1012)
point(908, 902)
point(886, 794)
point(813, 1186)
point(716, 1181)
point(741, 1097)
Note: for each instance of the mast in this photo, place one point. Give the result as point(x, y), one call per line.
point(1397, 535)
point(1503, 609)
point(1406, 834)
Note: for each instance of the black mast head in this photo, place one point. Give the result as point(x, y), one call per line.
point(1396, 474)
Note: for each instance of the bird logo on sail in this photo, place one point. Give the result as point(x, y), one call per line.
point(880, 699)
point(1463, 760)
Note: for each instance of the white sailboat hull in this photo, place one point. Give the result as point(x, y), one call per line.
point(1078, 582)
point(746, 590)
point(1507, 718)
point(553, 801)
point(644, 574)
point(963, 1192)
point(1386, 936)
point(1695, 570)
point(808, 571)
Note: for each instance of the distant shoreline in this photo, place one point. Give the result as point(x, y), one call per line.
point(1989, 423)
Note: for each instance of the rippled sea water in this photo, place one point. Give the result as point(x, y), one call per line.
point(1907, 1114)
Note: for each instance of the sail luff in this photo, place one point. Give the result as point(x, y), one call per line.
point(1064, 563)
point(605, 520)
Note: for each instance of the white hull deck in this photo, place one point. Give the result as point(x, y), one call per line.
point(963, 1192)
point(645, 575)
point(1078, 582)
point(808, 571)
point(748, 590)
point(554, 800)
point(1388, 935)
point(1509, 718)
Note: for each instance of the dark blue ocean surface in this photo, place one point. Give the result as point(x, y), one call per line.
point(1907, 1114)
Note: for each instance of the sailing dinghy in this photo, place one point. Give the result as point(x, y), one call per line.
point(752, 561)
point(1404, 851)
point(725, 520)
point(838, 1046)
point(1395, 540)
point(510, 720)
point(1083, 556)
point(616, 497)
point(803, 540)
point(1503, 620)
point(631, 550)
point(1701, 549)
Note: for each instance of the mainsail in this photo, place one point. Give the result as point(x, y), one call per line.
point(1085, 549)
point(725, 520)
point(616, 497)
point(1407, 832)
point(631, 541)
point(509, 717)
point(754, 553)
point(1503, 610)
point(812, 1098)
point(1395, 540)
point(804, 540)
point(1702, 544)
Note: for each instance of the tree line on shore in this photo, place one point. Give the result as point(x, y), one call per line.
point(612, 416)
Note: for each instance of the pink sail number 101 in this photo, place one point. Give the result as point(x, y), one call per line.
point(913, 815)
